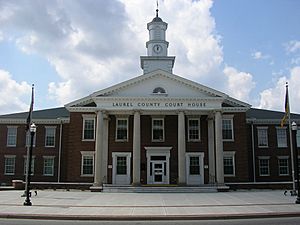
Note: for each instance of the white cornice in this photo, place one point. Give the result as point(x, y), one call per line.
point(36, 121)
point(267, 121)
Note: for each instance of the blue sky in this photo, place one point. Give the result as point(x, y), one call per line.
point(69, 49)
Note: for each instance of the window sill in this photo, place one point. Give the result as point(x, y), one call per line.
point(229, 175)
point(263, 146)
point(228, 140)
point(121, 140)
point(88, 140)
point(48, 175)
point(158, 141)
point(194, 140)
point(87, 175)
point(267, 175)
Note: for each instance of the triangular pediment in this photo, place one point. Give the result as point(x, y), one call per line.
point(158, 84)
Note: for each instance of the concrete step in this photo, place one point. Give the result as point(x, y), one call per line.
point(163, 189)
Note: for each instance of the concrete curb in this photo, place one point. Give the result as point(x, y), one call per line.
point(150, 217)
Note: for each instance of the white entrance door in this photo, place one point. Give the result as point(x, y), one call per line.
point(121, 168)
point(194, 168)
point(158, 171)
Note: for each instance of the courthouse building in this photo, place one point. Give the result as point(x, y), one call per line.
point(155, 129)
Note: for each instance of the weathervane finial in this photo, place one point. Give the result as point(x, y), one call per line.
point(157, 8)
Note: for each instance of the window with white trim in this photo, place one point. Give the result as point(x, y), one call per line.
point(121, 129)
point(158, 130)
point(50, 136)
point(88, 133)
point(262, 137)
point(281, 137)
point(229, 163)
point(87, 163)
point(48, 169)
point(227, 128)
point(32, 165)
point(264, 168)
point(12, 136)
point(194, 129)
point(283, 165)
point(9, 164)
point(28, 139)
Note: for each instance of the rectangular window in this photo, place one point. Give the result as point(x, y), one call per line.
point(9, 165)
point(158, 130)
point(298, 138)
point(88, 129)
point(264, 167)
point(121, 165)
point(32, 165)
point(87, 164)
point(194, 129)
point(229, 163)
point(262, 137)
point(122, 129)
point(48, 166)
point(283, 166)
point(28, 139)
point(281, 137)
point(227, 129)
point(50, 136)
point(11, 136)
point(194, 165)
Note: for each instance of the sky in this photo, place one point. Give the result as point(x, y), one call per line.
point(69, 49)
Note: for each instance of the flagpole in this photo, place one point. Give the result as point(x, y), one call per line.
point(291, 140)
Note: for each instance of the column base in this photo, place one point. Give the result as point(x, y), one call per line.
point(96, 188)
point(136, 184)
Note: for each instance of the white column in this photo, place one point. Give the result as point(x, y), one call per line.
point(98, 150)
point(105, 148)
point(219, 148)
point(181, 149)
point(211, 151)
point(136, 148)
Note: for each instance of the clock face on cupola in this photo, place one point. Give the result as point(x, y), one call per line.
point(157, 48)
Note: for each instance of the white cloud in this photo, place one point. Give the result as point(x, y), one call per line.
point(258, 55)
point(239, 84)
point(292, 46)
point(273, 98)
point(13, 94)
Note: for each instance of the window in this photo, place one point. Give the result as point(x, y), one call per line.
point(50, 136)
point(88, 127)
point(121, 165)
point(11, 136)
point(87, 163)
point(194, 129)
point(9, 164)
point(299, 165)
point(194, 165)
point(262, 137)
point(281, 137)
point(48, 165)
point(28, 139)
point(283, 166)
point(32, 165)
point(158, 130)
point(227, 129)
point(159, 91)
point(122, 129)
point(229, 165)
point(264, 166)
point(298, 137)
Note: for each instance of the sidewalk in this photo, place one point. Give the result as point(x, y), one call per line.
point(86, 205)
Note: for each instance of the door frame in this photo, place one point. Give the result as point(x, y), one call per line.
point(121, 179)
point(195, 179)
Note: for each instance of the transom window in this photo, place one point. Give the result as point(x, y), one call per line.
point(194, 129)
point(88, 128)
point(50, 136)
point(87, 163)
point(9, 165)
point(281, 137)
point(122, 129)
point(11, 136)
point(264, 169)
point(194, 165)
point(158, 129)
point(121, 165)
point(159, 90)
point(283, 166)
point(227, 129)
point(262, 137)
point(229, 165)
point(48, 169)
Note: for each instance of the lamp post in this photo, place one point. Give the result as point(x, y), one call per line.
point(28, 174)
point(294, 132)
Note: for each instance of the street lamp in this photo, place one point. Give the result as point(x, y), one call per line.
point(294, 132)
point(28, 174)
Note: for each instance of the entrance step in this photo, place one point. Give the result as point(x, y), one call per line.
point(107, 188)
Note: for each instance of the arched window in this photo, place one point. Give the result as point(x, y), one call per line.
point(159, 90)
